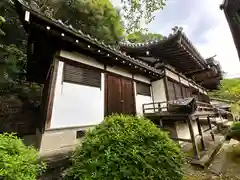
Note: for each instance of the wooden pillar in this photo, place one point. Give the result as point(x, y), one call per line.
point(160, 123)
point(210, 127)
point(165, 81)
point(201, 135)
point(195, 148)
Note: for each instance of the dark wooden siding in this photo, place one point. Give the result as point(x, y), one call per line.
point(127, 96)
point(119, 95)
point(176, 90)
point(112, 94)
point(143, 89)
point(79, 75)
point(171, 91)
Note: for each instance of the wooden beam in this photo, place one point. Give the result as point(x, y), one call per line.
point(166, 85)
point(181, 139)
point(201, 135)
point(195, 147)
point(51, 93)
point(191, 73)
point(210, 127)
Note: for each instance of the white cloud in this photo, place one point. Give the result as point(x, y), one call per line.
point(220, 41)
point(206, 26)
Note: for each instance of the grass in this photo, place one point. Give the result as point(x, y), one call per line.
point(191, 152)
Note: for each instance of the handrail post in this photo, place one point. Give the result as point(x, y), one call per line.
point(143, 109)
point(195, 147)
point(159, 107)
point(201, 134)
point(210, 127)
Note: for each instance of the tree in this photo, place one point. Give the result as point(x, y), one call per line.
point(13, 43)
point(140, 12)
point(229, 89)
point(126, 147)
point(141, 37)
point(97, 18)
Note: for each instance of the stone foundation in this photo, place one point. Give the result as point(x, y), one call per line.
point(58, 141)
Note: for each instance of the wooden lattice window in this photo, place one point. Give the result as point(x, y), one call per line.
point(143, 89)
point(80, 75)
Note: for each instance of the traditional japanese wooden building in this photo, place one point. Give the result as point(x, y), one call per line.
point(85, 80)
point(231, 9)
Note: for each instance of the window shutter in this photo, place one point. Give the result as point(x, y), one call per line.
point(171, 91)
point(79, 75)
point(143, 89)
point(178, 90)
point(184, 90)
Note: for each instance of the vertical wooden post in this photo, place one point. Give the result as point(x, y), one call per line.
point(196, 153)
point(201, 135)
point(159, 107)
point(165, 81)
point(143, 109)
point(160, 123)
point(210, 127)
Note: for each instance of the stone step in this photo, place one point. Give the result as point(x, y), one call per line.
point(218, 163)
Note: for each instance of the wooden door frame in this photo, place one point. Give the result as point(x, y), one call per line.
point(106, 74)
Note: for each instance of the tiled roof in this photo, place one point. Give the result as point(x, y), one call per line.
point(81, 35)
point(178, 35)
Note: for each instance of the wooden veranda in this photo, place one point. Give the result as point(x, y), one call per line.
point(159, 113)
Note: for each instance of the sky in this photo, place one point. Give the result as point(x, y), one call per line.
point(205, 25)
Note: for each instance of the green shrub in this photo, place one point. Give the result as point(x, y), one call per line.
point(17, 161)
point(126, 147)
point(234, 131)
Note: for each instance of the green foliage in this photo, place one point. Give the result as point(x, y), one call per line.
point(234, 131)
point(229, 89)
point(13, 62)
point(141, 37)
point(235, 109)
point(2, 20)
point(137, 13)
point(126, 147)
point(14, 32)
point(17, 161)
point(97, 18)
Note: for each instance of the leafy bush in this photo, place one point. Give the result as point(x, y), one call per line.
point(234, 131)
point(126, 147)
point(17, 161)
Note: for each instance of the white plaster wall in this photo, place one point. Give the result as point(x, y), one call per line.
point(117, 70)
point(184, 81)
point(81, 58)
point(172, 75)
point(158, 89)
point(141, 78)
point(140, 100)
point(183, 129)
point(76, 105)
point(159, 94)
